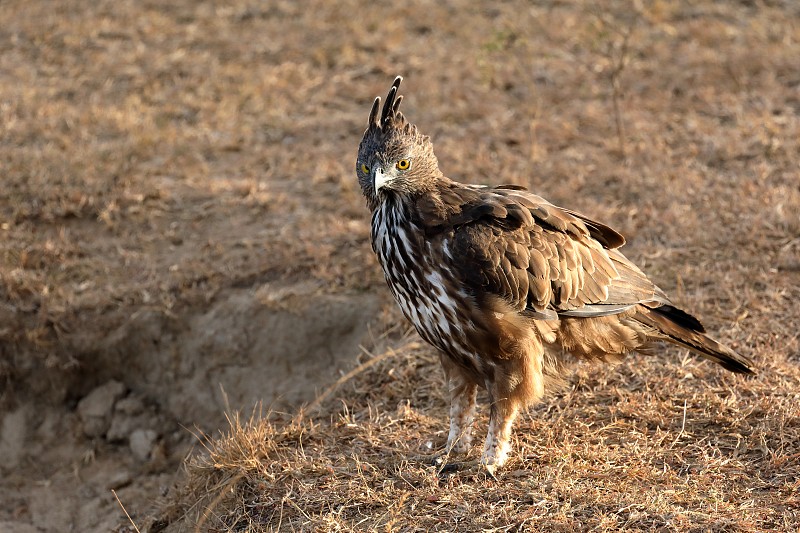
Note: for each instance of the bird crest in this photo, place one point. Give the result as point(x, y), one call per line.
point(392, 153)
point(390, 116)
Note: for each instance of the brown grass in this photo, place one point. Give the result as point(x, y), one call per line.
point(692, 450)
point(155, 153)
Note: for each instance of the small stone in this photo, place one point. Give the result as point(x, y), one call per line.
point(121, 427)
point(142, 442)
point(119, 479)
point(96, 407)
point(132, 405)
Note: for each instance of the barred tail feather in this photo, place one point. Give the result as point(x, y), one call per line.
point(681, 328)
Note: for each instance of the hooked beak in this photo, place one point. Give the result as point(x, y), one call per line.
point(381, 179)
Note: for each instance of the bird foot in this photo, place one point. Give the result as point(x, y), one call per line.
point(475, 466)
point(434, 459)
point(445, 466)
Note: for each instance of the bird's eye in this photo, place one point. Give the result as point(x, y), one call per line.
point(403, 164)
point(364, 168)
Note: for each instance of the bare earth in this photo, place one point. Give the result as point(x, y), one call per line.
point(182, 236)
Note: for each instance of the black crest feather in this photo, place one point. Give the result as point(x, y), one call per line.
point(389, 114)
point(392, 102)
point(373, 114)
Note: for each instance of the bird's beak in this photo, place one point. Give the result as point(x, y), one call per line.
point(381, 179)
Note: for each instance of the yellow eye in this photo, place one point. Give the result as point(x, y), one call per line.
point(403, 164)
point(364, 168)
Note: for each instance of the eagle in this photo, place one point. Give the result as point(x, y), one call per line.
point(508, 287)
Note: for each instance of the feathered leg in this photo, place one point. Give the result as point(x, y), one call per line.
point(502, 413)
point(517, 383)
point(462, 408)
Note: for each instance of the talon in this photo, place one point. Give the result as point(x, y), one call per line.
point(435, 459)
point(456, 466)
point(438, 460)
point(449, 468)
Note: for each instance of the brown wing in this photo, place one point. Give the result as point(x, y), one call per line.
point(508, 242)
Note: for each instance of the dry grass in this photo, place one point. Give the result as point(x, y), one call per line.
point(692, 450)
point(156, 153)
point(679, 124)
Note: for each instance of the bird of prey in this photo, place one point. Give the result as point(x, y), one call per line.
point(505, 284)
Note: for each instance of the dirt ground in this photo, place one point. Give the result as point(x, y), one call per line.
point(182, 236)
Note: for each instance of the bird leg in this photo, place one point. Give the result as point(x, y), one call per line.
point(502, 413)
point(462, 410)
point(459, 441)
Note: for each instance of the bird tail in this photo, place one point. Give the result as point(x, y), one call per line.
point(679, 327)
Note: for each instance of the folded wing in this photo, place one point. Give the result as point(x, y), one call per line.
point(542, 259)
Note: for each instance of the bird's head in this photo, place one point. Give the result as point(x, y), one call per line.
point(393, 157)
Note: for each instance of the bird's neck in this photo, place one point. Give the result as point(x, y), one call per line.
point(393, 226)
point(394, 209)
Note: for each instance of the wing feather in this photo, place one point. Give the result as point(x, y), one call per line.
point(513, 244)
